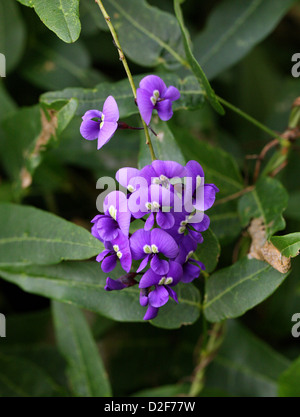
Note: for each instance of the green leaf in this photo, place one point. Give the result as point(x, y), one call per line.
point(245, 366)
point(232, 291)
point(289, 381)
point(25, 142)
point(83, 284)
point(289, 245)
point(148, 36)
point(7, 105)
point(225, 221)
point(268, 200)
point(60, 16)
point(164, 145)
point(86, 371)
point(209, 251)
point(53, 65)
point(225, 41)
point(32, 236)
point(191, 95)
point(196, 68)
point(13, 33)
point(20, 377)
point(164, 391)
point(219, 166)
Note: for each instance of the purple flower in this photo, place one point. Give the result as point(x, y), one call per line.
point(159, 296)
point(154, 94)
point(191, 267)
point(116, 249)
point(101, 125)
point(203, 195)
point(124, 281)
point(147, 245)
point(116, 218)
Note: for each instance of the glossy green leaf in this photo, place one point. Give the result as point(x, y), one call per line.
point(196, 68)
point(225, 41)
point(289, 381)
point(7, 105)
point(13, 33)
point(148, 35)
point(219, 166)
point(83, 284)
point(20, 377)
point(190, 91)
point(268, 200)
point(32, 236)
point(54, 65)
point(289, 245)
point(164, 145)
point(60, 16)
point(232, 291)
point(225, 221)
point(209, 251)
point(245, 366)
point(86, 372)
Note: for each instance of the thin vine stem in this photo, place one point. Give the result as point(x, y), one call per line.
point(127, 70)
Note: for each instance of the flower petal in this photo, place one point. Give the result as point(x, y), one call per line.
point(149, 222)
point(164, 109)
point(159, 266)
point(107, 228)
point(110, 110)
point(151, 313)
point(102, 255)
point(171, 93)
point(138, 240)
point(143, 264)
point(112, 284)
point(124, 175)
point(143, 99)
point(92, 114)
point(149, 278)
point(172, 293)
point(153, 82)
point(165, 220)
point(170, 169)
point(165, 243)
point(159, 296)
point(89, 129)
point(109, 263)
point(106, 132)
point(190, 272)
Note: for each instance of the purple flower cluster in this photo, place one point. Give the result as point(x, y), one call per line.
point(171, 200)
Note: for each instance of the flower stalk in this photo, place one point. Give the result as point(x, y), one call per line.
point(127, 70)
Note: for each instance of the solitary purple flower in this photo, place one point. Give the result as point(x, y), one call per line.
point(154, 94)
point(101, 125)
point(147, 245)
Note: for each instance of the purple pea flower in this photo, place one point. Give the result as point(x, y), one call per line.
point(116, 249)
point(204, 194)
point(154, 94)
point(124, 281)
point(147, 245)
point(191, 267)
point(101, 125)
point(159, 296)
point(116, 217)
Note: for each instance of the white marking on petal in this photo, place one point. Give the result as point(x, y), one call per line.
point(154, 249)
point(116, 248)
point(156, 205)
point(189, 255)
point(148, 205)
point(102, 120)
point(162, 281)
point(147, 249)
point(119, 254)
point(181, 230)
point(168, 281)
point(130, 188)
point(198, 181)
point(113, 212)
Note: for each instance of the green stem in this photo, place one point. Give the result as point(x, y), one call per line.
point(207, 354)
point(127, 70)
point(250, 119)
